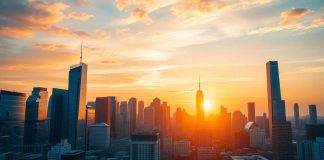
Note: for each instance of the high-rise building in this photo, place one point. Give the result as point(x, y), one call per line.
point(238, 121)
point(314, 130)
point(280, 130)
point(58, 149)
point(132, 109)
point(311, 150)
point(103, 105)
point(58, 115)
point(313, 114)
point(99, 136)
point(166, 119)
point(77, 94)
point(149, 118)
point(123, 120)
point(156, 104)
point(257, 135)
point(12, 116)
point(225, 125)
point(145, 146)
point(35, 130)
point(251, 111)
point(140, 115)
point(181, 148)
point(199, 105)
point(296, 115)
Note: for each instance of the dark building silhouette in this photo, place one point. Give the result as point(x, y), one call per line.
point(296, 115)
point(280, 129)
point(314, 130)
point(140, 115)
point(199, 105)
point(12, 116)
point(132, 109)
point(58, 115)
point(313, 114)
point(156, 105)
point(35, 130)
point(103, 106)
point(251, 111)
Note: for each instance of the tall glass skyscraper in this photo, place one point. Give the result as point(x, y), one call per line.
point(280, 129)
point(35, 131)
point(58, 115)
point(132, 108)
point(313, 114)
point(77, 93)
point(251, 111)
point(296, 115)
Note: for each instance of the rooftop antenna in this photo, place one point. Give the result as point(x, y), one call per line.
point(81, 52)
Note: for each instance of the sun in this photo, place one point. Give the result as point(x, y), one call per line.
point(207, 105)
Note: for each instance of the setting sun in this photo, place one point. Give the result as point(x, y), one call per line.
point(207, 105)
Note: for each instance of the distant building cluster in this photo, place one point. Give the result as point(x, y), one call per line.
point(64, 126)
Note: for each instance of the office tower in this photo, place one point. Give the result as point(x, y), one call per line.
point(58, 115)
point(314, 130)
point(206, 153)
point(59, 149)
point(149, 118)
point(103, 105)
point(251, 111)
point(263, 122)
point(166, 119)
point(199, 105)
point(280, 130)
point(123, 120)
point(182, 148)
point(12, 116)
point(313, 114)
point(132, 109)
point(140, 115)
point(311, 150)
point(166, 147)
point(35, 133)
point(99, 136)
point(74, 155)
point(225, 125)
point(156, 104)
point(77, 94)
point(180, 120)
point(257, 135)
point(296, 115)
point(91, 115)
point(145, 146)
point(238, 121)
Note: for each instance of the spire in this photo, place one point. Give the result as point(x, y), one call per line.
point(199, 82)
point(81, 52)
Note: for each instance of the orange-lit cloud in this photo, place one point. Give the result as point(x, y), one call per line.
point(122, 4)
point(142, 15)
point(13, 32)
point(48, 46)
point(290, 21)
point(254, 2)
point(80, 16)
point(187, 8)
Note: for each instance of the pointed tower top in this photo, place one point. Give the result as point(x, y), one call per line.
point(81, 52)
point(199, 82)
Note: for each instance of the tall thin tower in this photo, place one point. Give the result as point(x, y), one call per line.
point(199, 105)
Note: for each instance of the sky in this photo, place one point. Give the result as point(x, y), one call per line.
point(159, 48)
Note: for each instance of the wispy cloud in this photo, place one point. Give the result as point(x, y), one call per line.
point(80, 16)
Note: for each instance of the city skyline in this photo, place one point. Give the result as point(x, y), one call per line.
point(161, 64)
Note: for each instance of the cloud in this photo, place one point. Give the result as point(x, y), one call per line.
point(21, 18)
point(290, 21)
point(188, 8)
point(80, 16)
point(122, 31)
point(48, 46)
point(254, 2)
point(122, 4)
point(142, 15)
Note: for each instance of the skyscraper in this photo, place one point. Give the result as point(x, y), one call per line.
point(12, 116)
point(199, 105)
point(140, 115)
point(103, 105)
point(77, 94)
point(238, 121)
point(149, 117)
point(156, 104)
point(280, 130)
point(296, 115)
point(313, 114)
point(58, 115)
point(251, 112)
point(132, 109)
point(35, 132)
point(123, 120)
